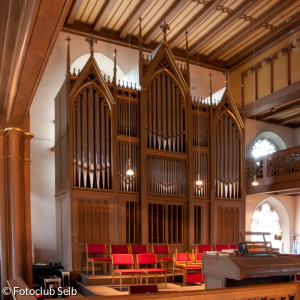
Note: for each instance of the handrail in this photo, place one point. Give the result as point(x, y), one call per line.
point(262, 291)
point(280, 163)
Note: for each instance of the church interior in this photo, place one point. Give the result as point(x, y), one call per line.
point(146, 125)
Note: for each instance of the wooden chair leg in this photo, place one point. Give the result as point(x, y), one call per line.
point(87, 266)
point(146, 278)
point(166, 280)
point(120, 282)
point(155, 278)
point(93, 268)
point(112, 279)
point(104, 268)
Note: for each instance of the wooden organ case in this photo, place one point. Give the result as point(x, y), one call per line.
point(168, 139)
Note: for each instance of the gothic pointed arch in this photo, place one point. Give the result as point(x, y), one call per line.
point(166, 98)
point(91, 107)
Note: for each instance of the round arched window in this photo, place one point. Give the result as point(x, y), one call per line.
point(263, 147)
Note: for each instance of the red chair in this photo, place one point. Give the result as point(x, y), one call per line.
point(96, 249)
point(124, 260)
point(162, 250)
point(197, 257)
point(138, 249)
point(203, 248)
point(233, 246)
point(150, 259)
point(191, 271)
point(119, 249)
point(220, 247)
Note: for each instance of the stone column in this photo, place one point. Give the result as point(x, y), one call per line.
point(15, 205)
point(5, 238)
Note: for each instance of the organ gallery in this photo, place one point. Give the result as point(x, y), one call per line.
point(187, 183)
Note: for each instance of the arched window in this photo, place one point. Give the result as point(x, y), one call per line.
point(266, 219)
point(263, 147)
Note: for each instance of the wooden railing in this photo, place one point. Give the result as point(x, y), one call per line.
point(274, 172)
point(280, 291)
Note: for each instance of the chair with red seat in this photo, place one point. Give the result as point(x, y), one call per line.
point(119, 249)
point(197, 257)
point(203, 248)
point(191, 271)
point(160, 250)
point(124, 260)
point(220, 247)
point(96, 250)
point(138, 249)
point(233, 246)
point(150, 259)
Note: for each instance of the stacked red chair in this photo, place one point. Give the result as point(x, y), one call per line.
point(191, 270)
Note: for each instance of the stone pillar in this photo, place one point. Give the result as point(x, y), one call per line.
point(15, 205)
point(5, 238)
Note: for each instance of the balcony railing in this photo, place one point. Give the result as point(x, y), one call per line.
point(277, 171)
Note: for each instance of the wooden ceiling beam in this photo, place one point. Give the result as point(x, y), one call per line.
point(272, 114)
point(167, 16)
point(212, 33)
point(278, 34)
point(103, 14)
point(289, 120)
point(243, 34)
point(206, 11)
point(280, 97)
point(135, 14)
point(73, 11)
point(113, 37)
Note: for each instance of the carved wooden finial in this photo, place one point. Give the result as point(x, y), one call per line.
point(115, 67)
point(91, 41)
point(210, 86)
point(164, 29)
point(68, 57)
point(226, 74)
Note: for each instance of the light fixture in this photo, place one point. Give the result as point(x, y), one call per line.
point(129, 171)
point(199, 182)
point(255, 182)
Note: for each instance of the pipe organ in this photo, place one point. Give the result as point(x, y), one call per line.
point(168, 139)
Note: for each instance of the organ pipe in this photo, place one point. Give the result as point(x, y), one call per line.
point(91, 138)
point(227, 158)
point(165, 115)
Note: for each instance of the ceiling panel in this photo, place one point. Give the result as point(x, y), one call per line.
point(220, 31)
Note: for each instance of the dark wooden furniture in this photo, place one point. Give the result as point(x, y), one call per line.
point(226, 271)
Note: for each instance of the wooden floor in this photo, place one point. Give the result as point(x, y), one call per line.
point(104, 290)
point(100, 285)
